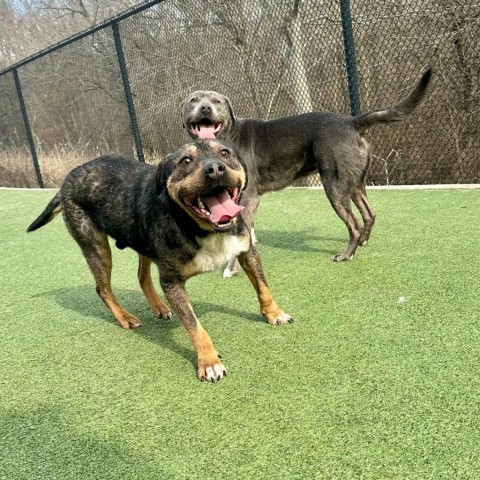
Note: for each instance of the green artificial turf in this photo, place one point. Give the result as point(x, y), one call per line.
point(377, 378)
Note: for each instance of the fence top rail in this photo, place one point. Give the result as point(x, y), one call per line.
point(84, 33)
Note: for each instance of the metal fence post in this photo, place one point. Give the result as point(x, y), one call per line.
point(350, 59)
point(28, 130)
point(128, 92)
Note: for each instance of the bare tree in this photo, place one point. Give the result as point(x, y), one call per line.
point(271, 58)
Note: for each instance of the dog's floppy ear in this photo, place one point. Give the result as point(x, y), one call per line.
point(230, 108)
point(164, 170)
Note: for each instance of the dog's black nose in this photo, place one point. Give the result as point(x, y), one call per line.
point(205, 108)
point(214, 169)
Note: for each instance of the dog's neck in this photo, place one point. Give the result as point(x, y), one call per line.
point(233, 131)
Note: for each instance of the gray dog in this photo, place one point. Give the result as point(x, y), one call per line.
point(278, 152)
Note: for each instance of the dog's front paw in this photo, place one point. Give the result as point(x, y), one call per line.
point(282, 319)
point(278, 318)
point(163, 314)
point(211, 369)
point(129, 321)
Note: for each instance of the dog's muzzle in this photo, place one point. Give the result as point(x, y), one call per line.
point(205, 129)
point(218, 207)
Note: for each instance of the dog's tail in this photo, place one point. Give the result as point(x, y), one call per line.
point(50, 212)
point(396, 112)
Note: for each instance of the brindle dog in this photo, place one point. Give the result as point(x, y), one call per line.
point(183, 216)
point(278, 152)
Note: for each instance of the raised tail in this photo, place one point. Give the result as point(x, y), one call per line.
point(398, 111)
point(50, 212)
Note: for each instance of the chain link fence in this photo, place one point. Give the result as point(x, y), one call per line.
point(118, 87)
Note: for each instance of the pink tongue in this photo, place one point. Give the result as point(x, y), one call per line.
point(222, 207)
point(206, 131)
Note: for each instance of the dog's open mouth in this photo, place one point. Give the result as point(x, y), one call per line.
point(205, 129)
point(218, 207)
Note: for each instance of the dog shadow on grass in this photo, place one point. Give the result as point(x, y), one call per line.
point(296, 240)
point(84, 300)
point(44, 439)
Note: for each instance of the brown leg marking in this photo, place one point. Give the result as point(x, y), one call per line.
point(250, 262)
point(210, 367)
point(99, 259)
point(160, 310)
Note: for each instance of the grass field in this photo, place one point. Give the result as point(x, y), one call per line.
point(377, 378)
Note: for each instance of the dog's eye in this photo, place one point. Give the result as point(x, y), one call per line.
point(193, 100)
point(224, 152)
point(185, 161)
point(216, 101)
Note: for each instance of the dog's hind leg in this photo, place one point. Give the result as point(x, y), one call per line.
point(360, 199)
point(160, 310)
point(97, 253)
point(340, 201)
point(99, 259)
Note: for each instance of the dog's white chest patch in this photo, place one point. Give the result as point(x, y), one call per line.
point(217, 249)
